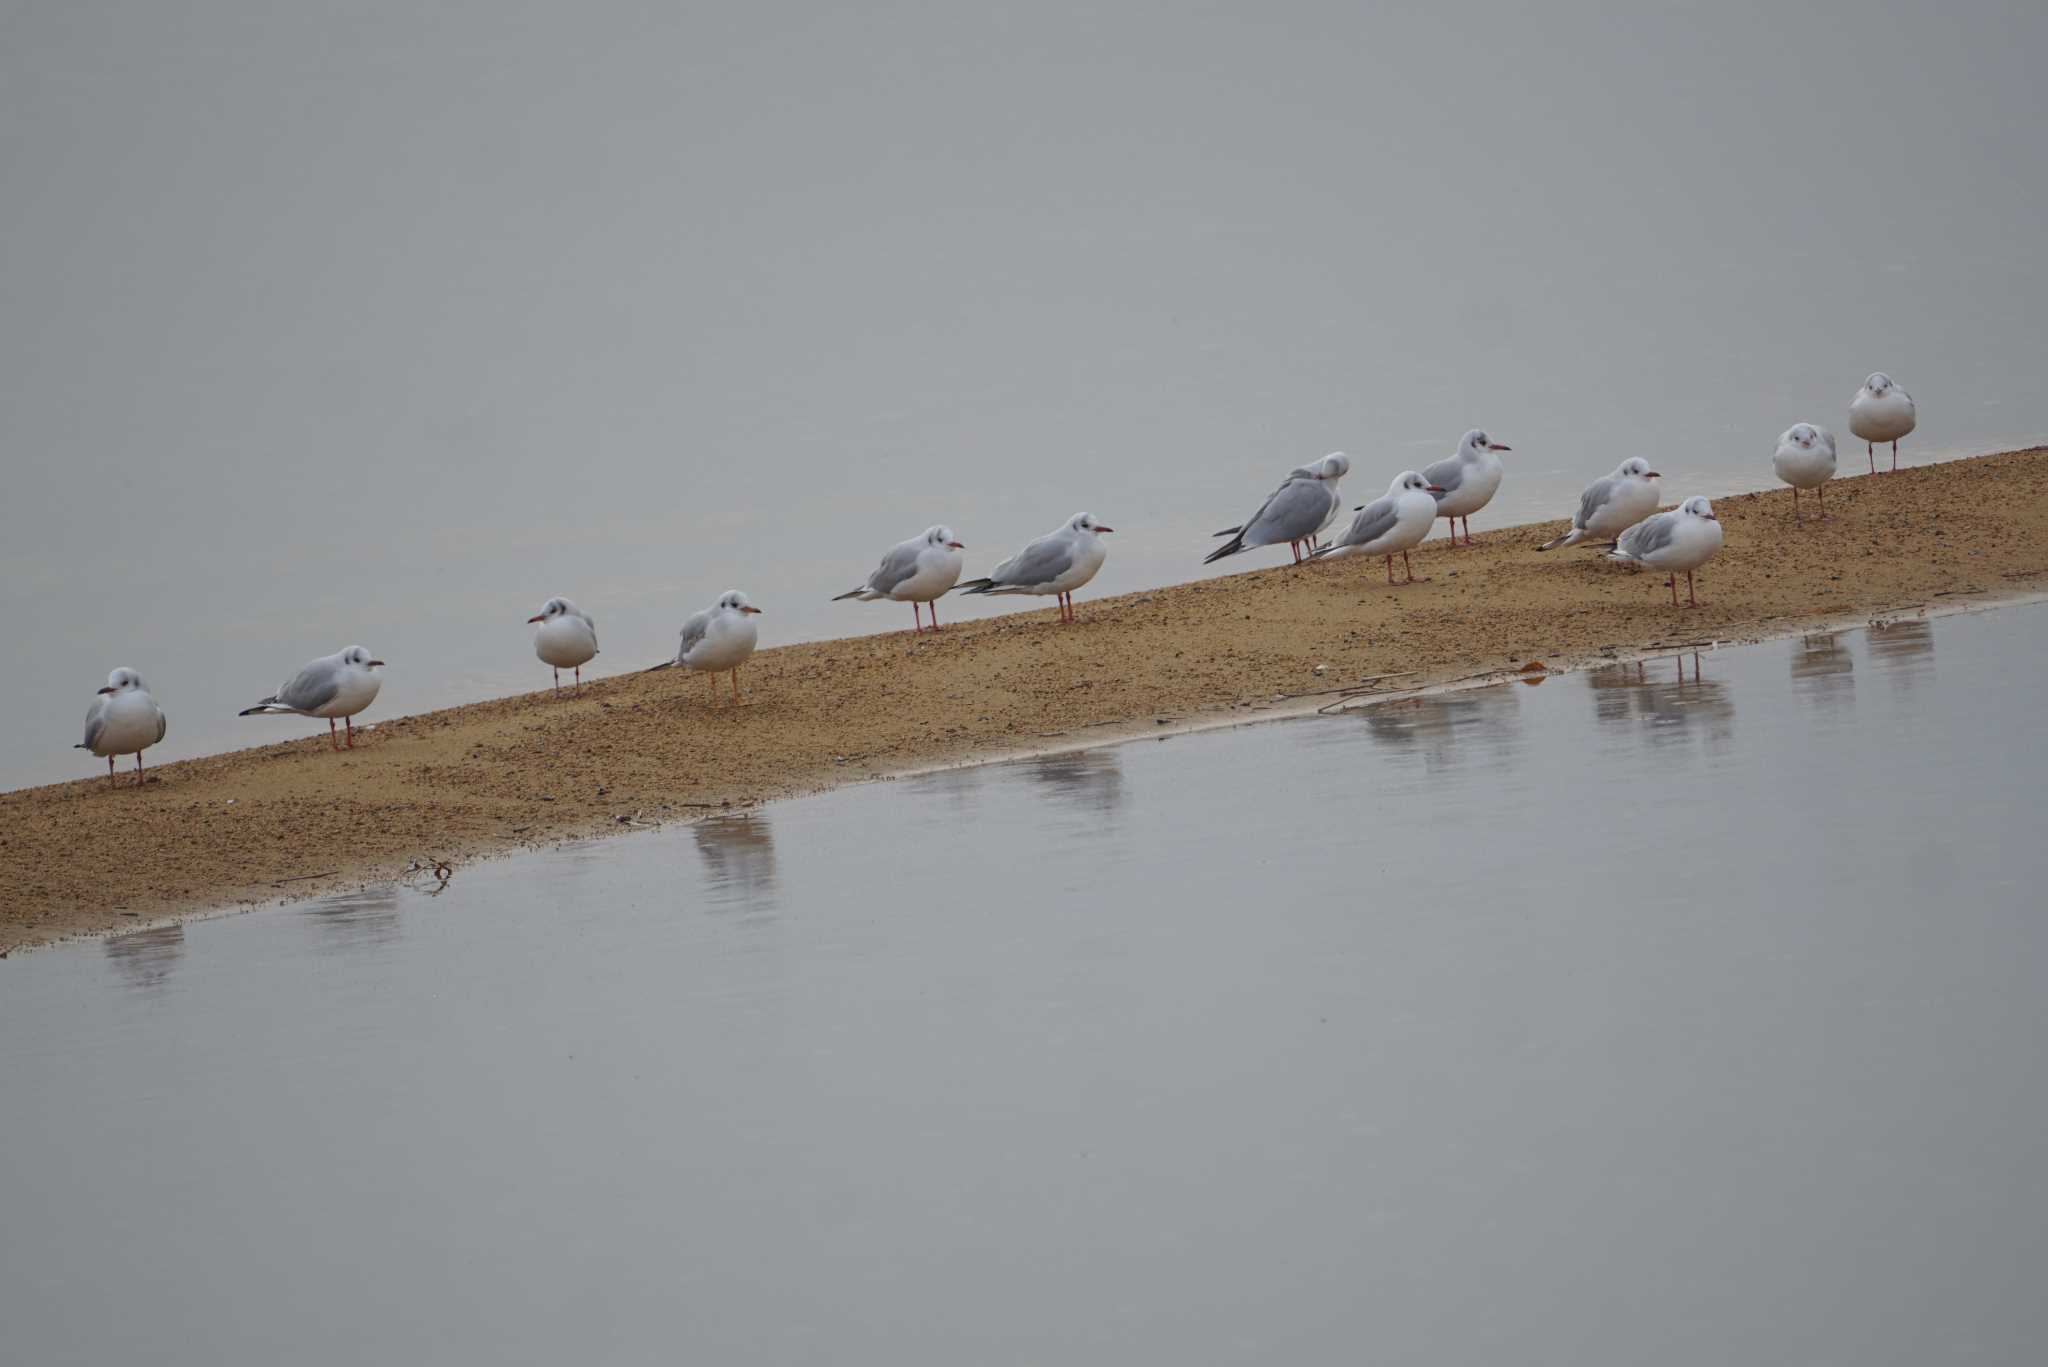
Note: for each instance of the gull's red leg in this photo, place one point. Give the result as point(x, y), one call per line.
point(138, 768)
point(1690, 600)
point(348, 724)
point(110, 771)
point(934, 606)
point(735, 686)
point(1870, 449)
point(1795, 504)
point(558, 683)
point(330, 734)
point(579, 679)
point(1390, 564)
point(1673, 583)
point(1895, 458)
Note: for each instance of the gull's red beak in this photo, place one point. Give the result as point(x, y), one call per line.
point(1496, 446)
point(751, 611)
point(1653, 475)
point(535, 618)
point(1434, 489)
point(110, 689)
point(374, 664)
point(955, 545)
point(1105, 529)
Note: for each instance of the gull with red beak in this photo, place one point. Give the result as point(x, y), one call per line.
point(920, 570)
point(718, 640)
point(124, 720)
point(1882, 412)
point(1467, 479)
point(1612, 505)
point(1389, 526)
point(1056, 563)
point(567, 638)
point(1683, 539)
point(1805, 459)
point(333, 686)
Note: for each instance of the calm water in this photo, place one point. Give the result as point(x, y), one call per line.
point(1616, 1020)
point(381, 322)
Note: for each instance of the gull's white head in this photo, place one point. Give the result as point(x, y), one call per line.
point(732, 600)
point(1083, 522)
point(943, 536)
point(1411, 480)
point(1635, 467)
point(1879, 384)
point(357, 657)
point(552, 609)
point(1336, 465)
point(124, 680)
point(1803, 435)
point(1476, 441)
point(1698, 507)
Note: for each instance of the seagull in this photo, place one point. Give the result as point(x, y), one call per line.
point(1057, 563)
point(337, 685)
point(1881, 412)
point(124, 719)
point(1467, 479)
point(920, 570)
point(1683, 539)
point(1305, 503)
point(1395, 523)
point(718, 639)
point(1612, 505)
point(1806, 460)
point(567, 638)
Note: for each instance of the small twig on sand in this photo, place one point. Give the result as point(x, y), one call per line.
point(300, 878)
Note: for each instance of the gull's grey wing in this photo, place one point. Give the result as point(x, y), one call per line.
point(1597, 493)
point(163, 723)
point(95, 722)
point(314, 686)
point(1297, 509)
point(1373, 521)
point(1446, 475)
point(693, 631)
point(1041, 562)
point(898, 565)
point(1650, 535)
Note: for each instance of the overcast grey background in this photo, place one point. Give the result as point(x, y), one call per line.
point(379, 323)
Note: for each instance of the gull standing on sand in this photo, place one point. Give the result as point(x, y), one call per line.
point(567, 638)
point(1467, 479)
point(1057, 563)
point(337, 685)
point(920, 570)
point(1805, 459)
point(1391, 525)
point(1612, 505)
point(717, 640)
point(1305, 503)
point(1683, 539)
point(124, 720)
point(1882, 412)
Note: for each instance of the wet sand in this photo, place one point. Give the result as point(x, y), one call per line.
point(255, 826)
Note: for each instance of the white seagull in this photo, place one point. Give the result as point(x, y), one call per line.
point(1881, 412)
point(1805, 459)
point(1683, 539)
point(717, 640)
point(1467, 479)
point(1391, 525)
point(1057, 563)
point(1612, 505)
point(920, 570)
point(1307, 501)
point(567, 638)
point(124, 720)
point(337, 685)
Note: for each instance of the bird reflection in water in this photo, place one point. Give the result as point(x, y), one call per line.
point(739, 861)
point(1442, 728)
point(1823, 670)
point(1903, 652)
point(356, 920)
point(145, 958)
point(1673, 702)
point(1082, 781)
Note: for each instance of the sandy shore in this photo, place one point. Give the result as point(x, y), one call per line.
point(256, 826)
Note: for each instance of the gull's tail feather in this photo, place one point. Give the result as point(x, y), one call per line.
point(1570, 538)
point(850, 593)
point(665, 664)
point(81, 746)
point(1230, 547)
point(269, 707)
point(1228, 531)
point(975, 586)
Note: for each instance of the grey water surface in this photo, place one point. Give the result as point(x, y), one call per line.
point(1688, 1013)
point(381, 322)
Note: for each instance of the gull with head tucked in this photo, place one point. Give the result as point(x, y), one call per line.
point(567, 638)
point(1881, 412)
point(920, 570)
point(1307, 501)
point(1683, 539)
point(1056, 563)
point(1610, 506)
point(1392, 525)
point(1805, 459)
point(1468, 480)
point(124, 720)
point(718, 640)
point(333, 686)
